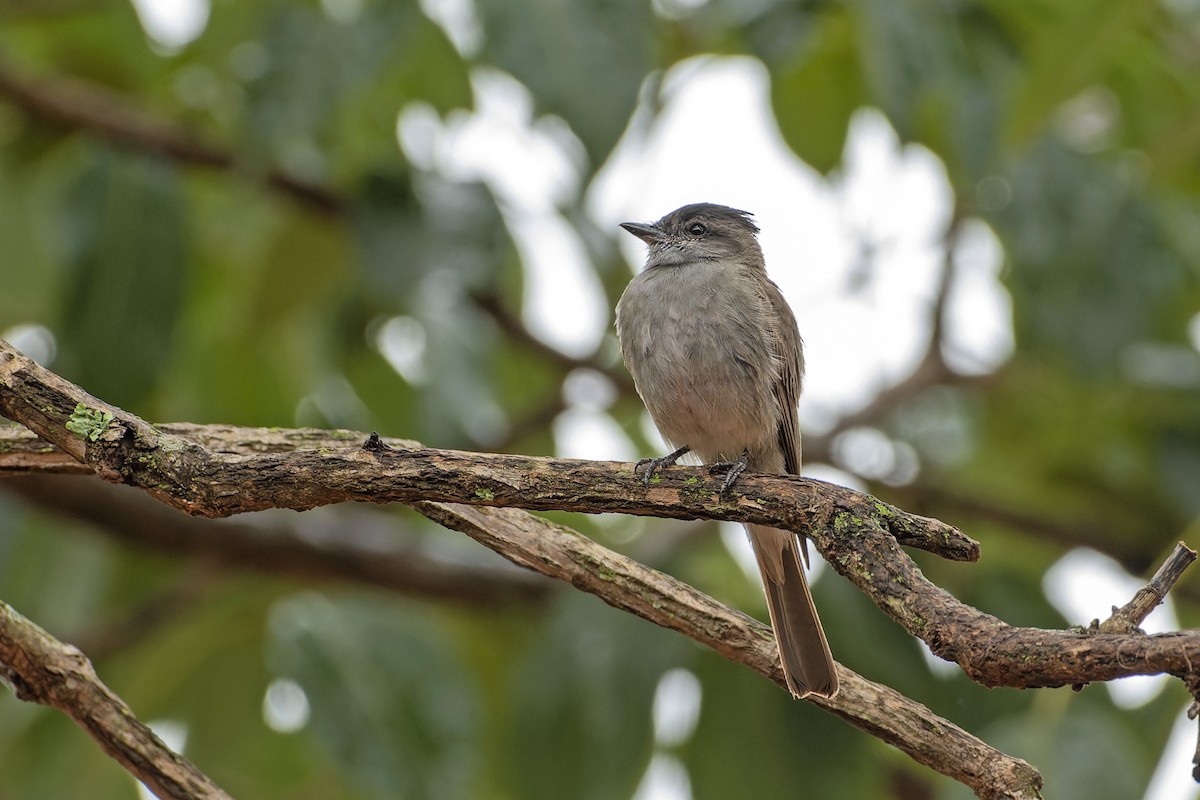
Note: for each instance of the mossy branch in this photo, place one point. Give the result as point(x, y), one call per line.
point(220, 471)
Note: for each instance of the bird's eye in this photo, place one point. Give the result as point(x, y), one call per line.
point(697, 229)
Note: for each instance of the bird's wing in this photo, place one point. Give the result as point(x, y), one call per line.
point(789, 350)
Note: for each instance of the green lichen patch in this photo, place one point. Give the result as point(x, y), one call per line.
point(845, 523)
point(607, 574)
point(485, 494)
point(88, 422)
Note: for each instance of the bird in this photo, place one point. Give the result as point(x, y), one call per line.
point(717, 359)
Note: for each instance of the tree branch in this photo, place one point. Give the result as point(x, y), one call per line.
point(932, 370)
point(41, 669)
point(1128, 617)
point(124, 448)
point(75, 105)
point(511, 325)
point(859, 535)
point(370, 557)
point(625, 584)
point(559, 552)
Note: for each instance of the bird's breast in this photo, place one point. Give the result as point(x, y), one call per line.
point(697, 345)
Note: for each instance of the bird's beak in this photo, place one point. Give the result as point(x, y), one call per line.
point(647, 233)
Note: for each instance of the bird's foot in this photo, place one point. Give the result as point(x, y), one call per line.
point(732, 469)
point(654, 465)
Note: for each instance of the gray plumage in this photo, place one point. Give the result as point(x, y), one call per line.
point(716, 357)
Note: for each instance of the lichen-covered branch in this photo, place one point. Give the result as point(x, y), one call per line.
point(218, 471)
point(625, 584)
point(209, 473)
point(200, 468)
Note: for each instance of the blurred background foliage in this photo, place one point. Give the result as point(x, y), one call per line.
point(225, 229)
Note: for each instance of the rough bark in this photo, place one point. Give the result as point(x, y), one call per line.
point(41, 669)
point(219, 471)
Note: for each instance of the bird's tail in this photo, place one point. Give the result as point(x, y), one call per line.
point(807, 662)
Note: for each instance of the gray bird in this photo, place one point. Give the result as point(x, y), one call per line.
point(716, 357)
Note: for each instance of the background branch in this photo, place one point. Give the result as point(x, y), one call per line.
point(370, 555)
point(77, 105)
point(41, 669)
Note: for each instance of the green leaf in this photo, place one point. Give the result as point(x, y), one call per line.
point(127, 260)
point(368, 67)
point(906, 49)
point(433, 71)
point(582, 702)
point(1069, 47)
point(390, 701)
point(815, 96)
point(753, 739)
point(583, 61)
point(410, 226)
point(29, 275)
point(308, 262)
point(1083, 237)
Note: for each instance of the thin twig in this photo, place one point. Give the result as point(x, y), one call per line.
point(1130, 616)
point(512, 326)
point(932, 370)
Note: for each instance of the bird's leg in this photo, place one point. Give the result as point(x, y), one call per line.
point(732, 469)
point(654, 465)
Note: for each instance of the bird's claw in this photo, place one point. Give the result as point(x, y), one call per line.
point(652, 465)
point(732, 469)
point(655, 465)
